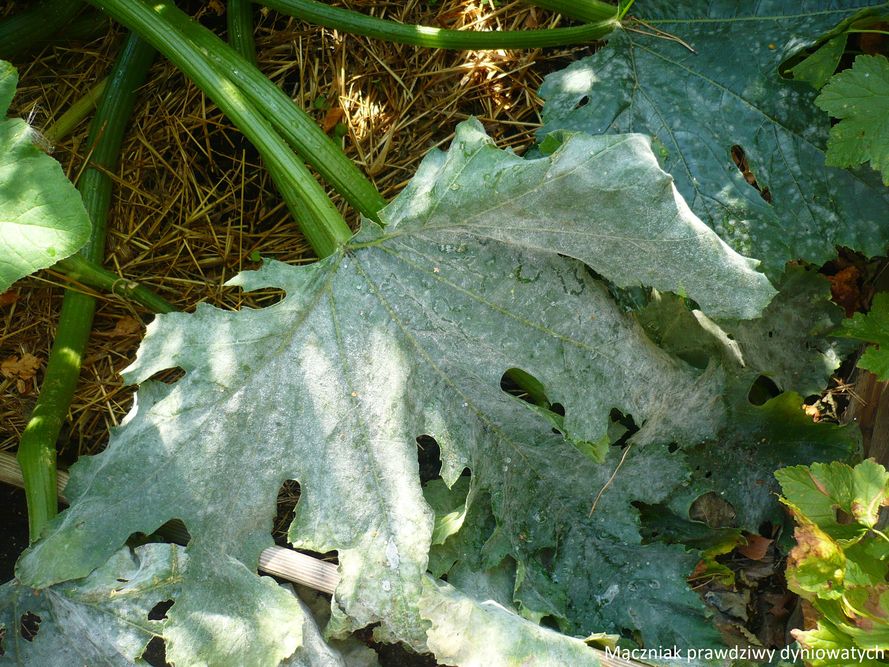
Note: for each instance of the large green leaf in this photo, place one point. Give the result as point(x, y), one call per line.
point(407, 331)
point(860, 98)
point(702, 77)
point(839, 562)
point(369, 350)
point(818, 491)
point(42, 218)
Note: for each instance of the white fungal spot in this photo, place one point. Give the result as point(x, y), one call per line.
point(392, 556)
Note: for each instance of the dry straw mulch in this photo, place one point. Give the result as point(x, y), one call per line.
point(192, 203)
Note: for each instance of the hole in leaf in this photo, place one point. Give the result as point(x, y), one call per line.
point(29, 626)
point(169, 375)
point(712, 509)
point(621, 421)
point(550, 622)
point(155, 653)
point(428, 458)
point(762, 390)
point(159, 611)
point(288, 498)
point(394, 654)
point(843, 517)
point(672, 447)
point(558, 408)
point(175, 531)
point(582, 102)
point(264, 298)
point(546, 556)
point(172, 531)
point(740, 160)
point(525, 386)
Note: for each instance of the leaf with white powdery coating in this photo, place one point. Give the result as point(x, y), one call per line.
point(42, 218)
point(104, 619)
point(468, 632)
point(728, 92)
point(408, 331)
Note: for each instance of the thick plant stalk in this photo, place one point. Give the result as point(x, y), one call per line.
point(37, 452)
point(322, 225)
point(221, 73)
point(589, 11)
point(239, 20)
point(93, 275)
point(356, 23)
point(21, 31)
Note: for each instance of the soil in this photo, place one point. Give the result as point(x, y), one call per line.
point(13, 529)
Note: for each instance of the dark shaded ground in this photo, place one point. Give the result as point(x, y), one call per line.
point(13, 529)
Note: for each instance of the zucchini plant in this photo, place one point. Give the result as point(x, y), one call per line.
point(486, 266)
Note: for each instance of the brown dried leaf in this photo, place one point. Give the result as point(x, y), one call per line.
point(845, 289)
point(126, 326)
point(756, 547)
point(333, 116)
point(21, 369)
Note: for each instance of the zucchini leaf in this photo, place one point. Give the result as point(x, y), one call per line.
point(701, 78)
point(407, 331)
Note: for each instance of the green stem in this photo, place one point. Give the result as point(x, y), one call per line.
point(37, 452)
point(349, 21)
point(624, 8)
point(75, 114)
point(873, 32)
point(322, 225)
point(589, 11)
point(92, 275)
point(239, 18)
point(21, 31)
point(298, 128)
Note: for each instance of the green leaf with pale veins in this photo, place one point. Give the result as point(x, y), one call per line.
point(42, 218)
point(408, 331)
point(103, 619)
point(818, 491)
point(872, 327)
point(727, 92)
point(859, 97)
